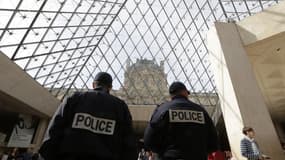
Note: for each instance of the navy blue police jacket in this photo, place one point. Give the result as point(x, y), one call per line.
point(95, 125)
point(181, 129)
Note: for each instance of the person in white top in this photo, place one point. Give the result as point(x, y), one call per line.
point(249, 147)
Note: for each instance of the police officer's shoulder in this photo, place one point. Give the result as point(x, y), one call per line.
point(118, 100)
point(160, 112)
point(75, 95)
point(161, 104)
point(69, 102)
point(163, 107)
point(197, 106)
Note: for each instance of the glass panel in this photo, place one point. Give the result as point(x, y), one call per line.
point(144, 44)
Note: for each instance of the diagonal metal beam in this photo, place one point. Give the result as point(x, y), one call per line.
point(29, 29)
point(10, 20)
point(122, 6)
point(223, 9)
point(78, 60)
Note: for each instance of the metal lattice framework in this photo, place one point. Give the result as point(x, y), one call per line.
point(63, 43)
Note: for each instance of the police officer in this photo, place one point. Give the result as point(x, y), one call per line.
point(91, 125)
point(181, 129)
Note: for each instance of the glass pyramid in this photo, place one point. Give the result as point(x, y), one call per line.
point(144, 44)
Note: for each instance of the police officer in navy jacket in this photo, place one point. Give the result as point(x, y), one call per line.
point(181, 129)
point(91, 125)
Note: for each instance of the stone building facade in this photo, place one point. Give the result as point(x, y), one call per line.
point(144, 83)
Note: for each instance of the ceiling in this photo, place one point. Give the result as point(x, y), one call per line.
point(268, 59)
point(63, 43)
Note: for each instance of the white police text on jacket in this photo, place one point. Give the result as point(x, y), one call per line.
point(93, 124)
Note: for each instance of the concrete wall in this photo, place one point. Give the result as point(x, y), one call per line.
point(20, 93)
point(241, 99)
point(263, 25)
point(263, 36)
point(227, 95)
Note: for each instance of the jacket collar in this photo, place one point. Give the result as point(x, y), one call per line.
point(179, 97)
point(102, 89)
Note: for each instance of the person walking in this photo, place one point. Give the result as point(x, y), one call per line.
point(91, 125)
point(181, 129)
point(249, 147)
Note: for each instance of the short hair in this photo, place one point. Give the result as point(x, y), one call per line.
point(176, 87)
point(246, 129)
point(103, 79)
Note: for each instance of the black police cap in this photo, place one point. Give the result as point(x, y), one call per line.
point(103, 77)
point(176, 87)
